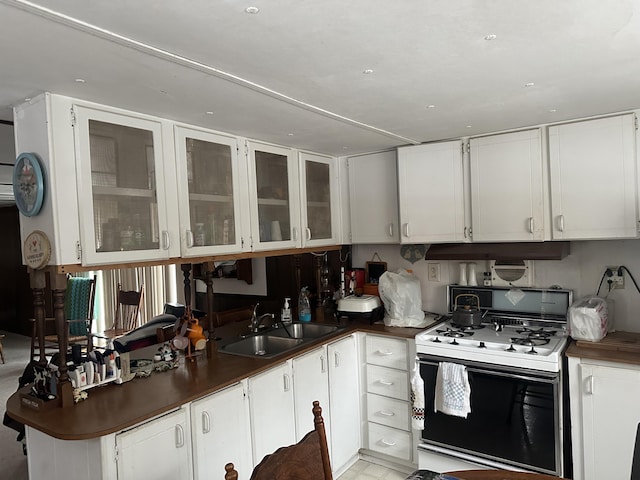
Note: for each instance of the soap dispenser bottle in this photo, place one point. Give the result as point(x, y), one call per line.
point(286, 312)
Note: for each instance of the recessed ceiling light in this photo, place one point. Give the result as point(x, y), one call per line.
point(290, 134)
point(28, 99)
point(529, 84)
point(80, 80)
point(252, 10)
point(469, 126)
point(431, 106)
point(209, 113)
point(367, 71)
point(490, 37)
point(553, 110)
point(345, 148)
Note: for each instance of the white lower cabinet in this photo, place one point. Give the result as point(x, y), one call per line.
point(388, 426)
point(272, 410)
point(329, 374)
point(344, 402)
point(221, 433)
point(159, 449)
point(604, 417)
point(311, 382)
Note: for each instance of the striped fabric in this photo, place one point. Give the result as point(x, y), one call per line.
point(76, 304)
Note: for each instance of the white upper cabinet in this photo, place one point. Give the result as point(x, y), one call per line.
point(319, 193)
point(121, 187)
point(208, 179)
point(373, 198)
point(594, 179)
point(506, 187)
point(273, 197)
point(431, 193)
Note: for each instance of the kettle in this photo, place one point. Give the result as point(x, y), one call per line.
point(467, 315)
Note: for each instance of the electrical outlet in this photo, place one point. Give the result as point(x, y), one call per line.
point(434, 272)
point(617, 281)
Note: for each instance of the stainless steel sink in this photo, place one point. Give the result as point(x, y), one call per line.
point(262, 345)
point(277, 341)
point(304, 330)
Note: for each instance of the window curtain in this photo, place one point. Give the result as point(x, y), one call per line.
point(159, 288)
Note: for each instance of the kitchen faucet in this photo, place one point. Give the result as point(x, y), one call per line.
point(257, 320)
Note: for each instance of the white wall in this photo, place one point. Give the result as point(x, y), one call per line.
point(580, 271)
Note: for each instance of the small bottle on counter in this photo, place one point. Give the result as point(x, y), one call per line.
point(304, 307)
point(286, 312)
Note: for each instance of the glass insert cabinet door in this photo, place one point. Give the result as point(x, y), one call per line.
point(274, 193)
point(318, 194)
point(120, 168)
point(208, 172)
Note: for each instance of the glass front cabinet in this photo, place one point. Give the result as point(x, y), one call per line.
point(319, 194)
point(121, 194)
point(273, 197)
point(209, 194)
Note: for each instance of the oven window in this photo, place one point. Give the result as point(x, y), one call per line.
point(512, 419)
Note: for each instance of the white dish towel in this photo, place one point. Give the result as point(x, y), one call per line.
point(453, 392)
point(417, 398)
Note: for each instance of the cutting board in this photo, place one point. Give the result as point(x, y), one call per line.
point(615, 341)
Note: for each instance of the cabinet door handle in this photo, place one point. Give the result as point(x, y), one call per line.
point(287, 382)
point(387, 443)
point(530, 224)
point(386, 414)
point(308, 233)
point(206, 422)
point(179, 436)
point(391, 229)
point(561, 223)
point(385, 352)
point(166, 243)
point(336, 359)
point(189, 238)
point(385, 383)
point(589, 384)
point(323, 364)
point(406, 229)
point(465, 232)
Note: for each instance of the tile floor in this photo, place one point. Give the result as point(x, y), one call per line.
point(362, 470)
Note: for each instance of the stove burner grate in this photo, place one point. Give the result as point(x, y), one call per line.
point(530, 341)
point(454, 332)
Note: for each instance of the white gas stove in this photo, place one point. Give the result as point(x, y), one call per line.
point(537, 348)
point(513, 359)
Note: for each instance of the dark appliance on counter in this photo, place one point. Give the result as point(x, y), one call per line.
point(514, 363)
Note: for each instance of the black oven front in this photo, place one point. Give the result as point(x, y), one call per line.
point(515, 417)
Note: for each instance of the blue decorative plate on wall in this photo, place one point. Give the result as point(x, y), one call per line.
point(28, 184)
point(413, 253)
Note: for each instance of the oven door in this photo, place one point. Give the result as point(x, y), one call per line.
point(514, 419)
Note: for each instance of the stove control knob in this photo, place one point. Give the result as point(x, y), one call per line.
point(454, 342)
point(482, 345)
point(511, 349)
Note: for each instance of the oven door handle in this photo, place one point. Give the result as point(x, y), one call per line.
point(498, 373)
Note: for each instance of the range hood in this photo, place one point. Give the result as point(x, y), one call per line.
point(498, 251)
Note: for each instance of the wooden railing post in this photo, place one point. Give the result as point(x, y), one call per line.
point(38, 282)
point(59, 289)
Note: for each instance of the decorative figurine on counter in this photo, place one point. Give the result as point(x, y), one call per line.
point(41, 387)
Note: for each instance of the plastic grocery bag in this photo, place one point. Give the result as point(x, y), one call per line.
point(588, 319)
point(402, 298)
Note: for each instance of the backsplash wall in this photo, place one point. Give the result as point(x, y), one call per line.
point(580, 271)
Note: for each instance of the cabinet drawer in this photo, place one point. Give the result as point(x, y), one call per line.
point(388, 382)
point(390, 441)
point(387, 352)
point(388, 411)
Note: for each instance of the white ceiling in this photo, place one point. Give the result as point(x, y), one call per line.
point(292, 74)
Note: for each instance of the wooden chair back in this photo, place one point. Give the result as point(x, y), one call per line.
point(308, 459)
point(128, 309)
point(241, 314)
point(78, 308)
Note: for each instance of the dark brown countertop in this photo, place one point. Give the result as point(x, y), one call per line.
point(621, 347)
point(112, 408)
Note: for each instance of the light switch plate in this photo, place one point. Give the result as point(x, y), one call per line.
point(433, 270)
